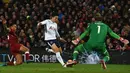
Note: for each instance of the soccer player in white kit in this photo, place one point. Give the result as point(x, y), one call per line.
point(51, 35)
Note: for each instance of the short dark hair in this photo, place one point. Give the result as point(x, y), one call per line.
point(54, 14)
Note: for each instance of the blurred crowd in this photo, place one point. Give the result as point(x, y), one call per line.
point(74, 16)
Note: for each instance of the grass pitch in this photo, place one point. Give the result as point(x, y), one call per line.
point(57, 68)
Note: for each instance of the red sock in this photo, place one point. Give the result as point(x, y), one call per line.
point(27, 56)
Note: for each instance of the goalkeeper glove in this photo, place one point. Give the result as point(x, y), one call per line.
point(125, 41)
point(76, 41)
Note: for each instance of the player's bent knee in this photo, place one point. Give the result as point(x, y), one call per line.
point(57, 50)
point(24, 49)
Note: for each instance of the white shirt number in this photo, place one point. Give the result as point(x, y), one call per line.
point(98, 29)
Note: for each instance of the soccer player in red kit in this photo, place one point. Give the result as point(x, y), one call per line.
point(15, 47)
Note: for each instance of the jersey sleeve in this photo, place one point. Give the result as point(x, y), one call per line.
point(43, 22)
point(114, 35)
point(57, 33)
point(5, 29)
point(85, 33)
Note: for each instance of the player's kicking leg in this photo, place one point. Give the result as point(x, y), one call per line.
point(58, 55)
point(26, 51)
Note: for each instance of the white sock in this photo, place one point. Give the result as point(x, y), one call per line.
point(59, 58)
point(14, 62)
point(50, 50)
point(26, 52)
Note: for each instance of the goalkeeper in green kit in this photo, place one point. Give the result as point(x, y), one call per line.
point(97, 34)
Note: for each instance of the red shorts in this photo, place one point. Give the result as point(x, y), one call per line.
point(14, 48)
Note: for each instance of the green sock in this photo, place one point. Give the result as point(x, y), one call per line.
point(106, 58)
point(75, 54)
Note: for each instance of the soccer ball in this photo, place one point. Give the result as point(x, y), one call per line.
point(69, 61)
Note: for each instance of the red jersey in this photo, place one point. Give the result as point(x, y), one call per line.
point(13, 41)
point(12, 37)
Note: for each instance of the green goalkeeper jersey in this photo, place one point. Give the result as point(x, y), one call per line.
point(97, 32)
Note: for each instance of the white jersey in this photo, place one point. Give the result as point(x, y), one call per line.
point(51, 31)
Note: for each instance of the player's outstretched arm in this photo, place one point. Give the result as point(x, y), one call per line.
point(76, 41)
point(125, 41)
point(38, 25)
point(114, 35)
point(6, 29)
point(41, 23)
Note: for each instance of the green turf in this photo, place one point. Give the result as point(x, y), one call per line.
point(57, 68)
